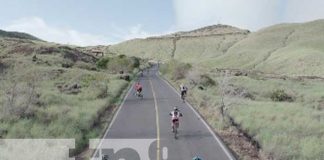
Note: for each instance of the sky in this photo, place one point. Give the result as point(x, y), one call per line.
point(102, 22)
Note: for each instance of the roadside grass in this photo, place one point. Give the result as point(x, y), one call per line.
point(53, 101)
point(63, 115)
point(284, 130)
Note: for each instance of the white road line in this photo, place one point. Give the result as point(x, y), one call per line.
point(229, 155)
point(113, 120)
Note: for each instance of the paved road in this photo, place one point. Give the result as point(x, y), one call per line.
point(147, 121)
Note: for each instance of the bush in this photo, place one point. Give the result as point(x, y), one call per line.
point(135, 62)
point(177, 70)
point(119, 63)
point(102, 90)
point(87, 66)
point(121, 56)
point(206, 81)
point(102, 63)
point(280, 95)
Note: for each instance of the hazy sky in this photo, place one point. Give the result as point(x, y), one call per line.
point(92, 22)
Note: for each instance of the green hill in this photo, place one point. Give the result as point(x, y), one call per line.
point(204, 43)
point(290, 49)
point(49, 90)
point(19, 35)
point(265, 87)
point(293, 49)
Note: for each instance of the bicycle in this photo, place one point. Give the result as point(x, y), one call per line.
point(175, 127)
point(175, 120)
point(139, 94)
point(183, 97)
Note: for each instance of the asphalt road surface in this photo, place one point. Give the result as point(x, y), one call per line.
point(141, 128)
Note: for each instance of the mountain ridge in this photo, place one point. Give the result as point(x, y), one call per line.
point(19, 35)
point(290, 48)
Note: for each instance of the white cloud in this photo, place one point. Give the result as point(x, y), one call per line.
point(39, 28)
point(249, 14)
point(136, 31)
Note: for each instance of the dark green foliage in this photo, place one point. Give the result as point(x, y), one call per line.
point(206, 81)
point(135, 62)
point(121, 56)
point(102, 63)
point(119, 63)
point(280, 95)
point(18, 35)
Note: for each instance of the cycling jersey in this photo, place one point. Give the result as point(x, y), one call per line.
point(175, 115)
point(138, 87)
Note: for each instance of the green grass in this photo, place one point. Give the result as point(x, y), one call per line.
point(287, 49)
point(155, 48)
point(285, 130)
point(17, 35)
point(55, 113)
point(68, 116)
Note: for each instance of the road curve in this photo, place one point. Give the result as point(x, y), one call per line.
point(147, 120)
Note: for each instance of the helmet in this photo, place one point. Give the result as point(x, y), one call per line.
point(175, 108)
point(196, 158)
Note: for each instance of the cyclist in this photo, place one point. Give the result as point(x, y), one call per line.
point(196, 158)
point(175, 115)
point(141, 73)
point(138, 88)
point(183, 90)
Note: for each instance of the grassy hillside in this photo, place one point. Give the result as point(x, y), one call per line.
point(286, 49)
point(293, 49)
point(264, 85)
point(54, 91)
point(204, 43)
point(17, 35)
point(282, 117)
point(154, 48)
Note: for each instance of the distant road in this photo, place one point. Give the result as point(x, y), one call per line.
point(149, 119)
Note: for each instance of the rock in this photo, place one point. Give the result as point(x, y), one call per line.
point(34, 58)
point(69, 89)
point(125, 77)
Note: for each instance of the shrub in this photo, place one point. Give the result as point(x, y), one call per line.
point(102, 90)
point(119, 63)
point(102, 63)
point(177, 70)
point(121, 56)
point(206, 81)
point(84, 65)
point(135, 62)
point(67, 64)
point(280, 95)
